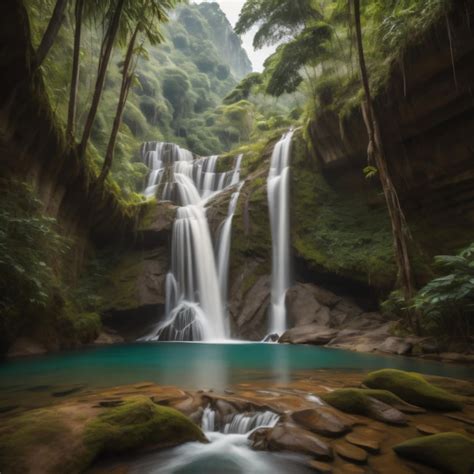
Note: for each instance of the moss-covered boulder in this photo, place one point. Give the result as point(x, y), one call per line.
point(413, 388)
point(367, 403)
point(451, 453)
point(140, 423)
point(69, 437)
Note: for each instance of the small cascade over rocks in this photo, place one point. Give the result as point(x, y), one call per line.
point(195, 288)
point(238, 423)
point(278, 189)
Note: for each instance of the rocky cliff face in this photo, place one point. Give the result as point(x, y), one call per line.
point(228, 43)
point(427, 123)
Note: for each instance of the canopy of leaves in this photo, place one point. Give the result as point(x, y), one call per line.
point(243, 90)
point(448, 301)
point(275, 19)
point(283, 67)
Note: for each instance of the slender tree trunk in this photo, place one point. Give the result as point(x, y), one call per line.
point(71, 117)
point(51, 32)
point(127, 77)
point(376, 156)
point(108, 44)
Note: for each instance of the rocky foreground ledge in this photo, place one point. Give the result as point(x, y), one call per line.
point(386, 422)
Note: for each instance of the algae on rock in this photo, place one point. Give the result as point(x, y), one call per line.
point(413, 388)
point(451, 453)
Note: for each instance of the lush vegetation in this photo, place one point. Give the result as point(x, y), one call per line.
point(36, 299)
point(180, 74)
point(446, 303)
point(316, 53)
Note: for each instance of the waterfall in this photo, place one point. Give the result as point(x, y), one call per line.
point(278, 203)
point(194, 305)
point(240, 423)
point(245, 423)
point(224, 242)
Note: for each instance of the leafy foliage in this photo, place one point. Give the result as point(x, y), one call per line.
point(283, 67)
point(178, 83)
point(29, 246)
point(275, 19)
point(447, 302)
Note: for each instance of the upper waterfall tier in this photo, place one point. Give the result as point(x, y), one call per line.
point(195, 290)
point(172, 167)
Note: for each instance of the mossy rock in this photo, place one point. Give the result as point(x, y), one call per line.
point(377, 404)
point(139, 423)
point(25, 435)
point(357, 400)
point(449, 452)
point(413, 388)
point(65, 438)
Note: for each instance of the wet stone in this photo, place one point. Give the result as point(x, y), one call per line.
point(427, 430)
point(350, 452)
point(364, 442)
point(320, 467)
point(288, 437)
point(349, 469)
point(324, 421)
point(382, 412)
point(461, 418)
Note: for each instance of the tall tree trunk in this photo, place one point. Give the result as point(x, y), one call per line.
point(127, 77)
point(108, 44)
point(376, 155)
point(51, 32)
point(71, 116)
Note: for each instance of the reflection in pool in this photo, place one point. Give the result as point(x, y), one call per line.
point(198, 365)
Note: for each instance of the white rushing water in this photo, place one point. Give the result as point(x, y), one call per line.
point(278, 188)
point(224, 242)
point(195, 286)
point(228, 451)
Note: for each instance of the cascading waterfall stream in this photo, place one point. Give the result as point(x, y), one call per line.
point(194, 287)
point(224, 242)
point(278, 188)
point(229, 450)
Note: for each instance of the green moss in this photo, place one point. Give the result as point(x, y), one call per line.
point(413, 388)
point(349, 400)
point(21, 436)
point(451, 453)
point(87, 327)
point(139, 423)
point(52, 443)
point(357, 400)
point(119, 288)
point(335, 231)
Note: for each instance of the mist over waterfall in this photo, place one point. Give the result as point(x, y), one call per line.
point(196, 287)
point(278, 188)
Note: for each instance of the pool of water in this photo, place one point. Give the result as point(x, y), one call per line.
point(198, 365)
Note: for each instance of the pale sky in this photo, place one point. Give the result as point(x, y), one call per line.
point(232, 9)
